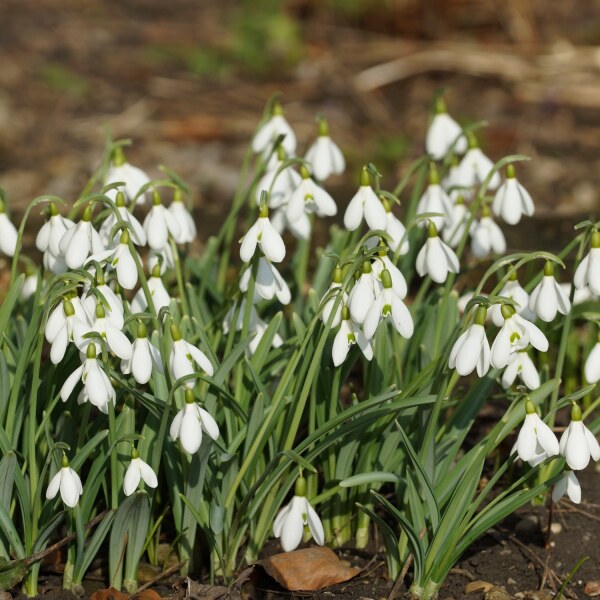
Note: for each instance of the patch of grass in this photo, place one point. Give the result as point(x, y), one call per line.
point(63, 79)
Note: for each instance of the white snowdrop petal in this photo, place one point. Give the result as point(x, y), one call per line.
point(132, 478)
point(592, 365)
point(176, 425)
point(372, 317)
point(292, 530)
point(577, 452)
point(118, 342)
point(526, 442)
point(271, 242)
point(200, 359)
point(147, 473)
point(190, 432)
point(354, 212)
point(69, 490)
point(592, 443)
point(402, 317)
point(279, 521)
point(375, 214)
point(340, 346)
point(70, 383)
point(53, 486)
point(208, 423)
point(141, 361)
point(315, 525)
point(573, 488)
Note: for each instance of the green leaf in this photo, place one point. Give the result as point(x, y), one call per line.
point(373, 477)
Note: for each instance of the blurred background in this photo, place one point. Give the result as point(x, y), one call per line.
point(188, 80)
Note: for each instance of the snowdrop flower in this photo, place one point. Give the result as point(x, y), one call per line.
point(592, 364)
point(145, 356)
point(257, 329)
point(324, 156)
point(365, 204)
point(568, 484)
point(349, 334)
point(183, 356)
point(159, 223)
point(486, 236)
point(158, 292)
point(512, 289)
point(30, 284)
point(268, 282)
point(514, 335)
point(113, 305)
point(588, 271)
point(512, 200)
point(278, 182)
point(268, 133)
point(136, 471)
point(68, 482)
point(263, 234)
point(451, 183)
point(48, 240)
point(395, 229)
point(116, 340)
point(435, 200)
point(163, 257)
point(190, 423)
point(472, 348)
point(8, 233)
point(329, 305)
point(382, 263)
point(133, 178)
point(578, 444)
point(519, 364)
point(457, 223)
point(138, 235)
point(80, 241)
point(436, 258)
point(309, 197)
point(63, 326)
point(362, 294)
point(97, 387)
point(536, 439)
point(300, 229)
point(388, 303)
point(121, 260)
point(548, 297)
point(475, 167)
point(187, 227)
point(444, 133)
point(291, 519)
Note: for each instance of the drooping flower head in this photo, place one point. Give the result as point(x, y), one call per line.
point(435, 201)
point(275, 127)
point(512, 200)
point(145, 357)
point(136, 471)
point(472, 348)
point(190, 423)
point(159, 223)
point(263, 235)
point(486, 236)
point(349, 334)
point(548, 297)
point(68, 482)
point(444, 133)
point(133, 178)
point(291, 519)
point(365, 205)
point(536, 440)
point(80, 241)
point(588, 271)
point(578, 444)
point(324, 155)
point(8, 233)
point(475, 167)
point(436, 258)
point(308, 197)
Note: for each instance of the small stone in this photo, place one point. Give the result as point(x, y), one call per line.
point(592, 588)
point(556, 528)
point(511, 581)
point(5, 596)
point(497, 593)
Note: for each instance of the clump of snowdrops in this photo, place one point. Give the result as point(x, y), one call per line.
point(277, 385)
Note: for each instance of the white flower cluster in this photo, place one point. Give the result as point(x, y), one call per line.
point(536, 442)
point(95, 322)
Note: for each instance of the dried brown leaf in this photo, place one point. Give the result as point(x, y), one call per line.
point(592, 588)
point(308, 569)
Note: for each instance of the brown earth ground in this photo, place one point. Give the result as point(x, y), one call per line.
point(187, 81)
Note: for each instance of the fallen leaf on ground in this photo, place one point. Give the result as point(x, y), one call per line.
point(478, 586)
point(200, 591)
point(592, 588)
point(308, 569)
point(112, 594)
